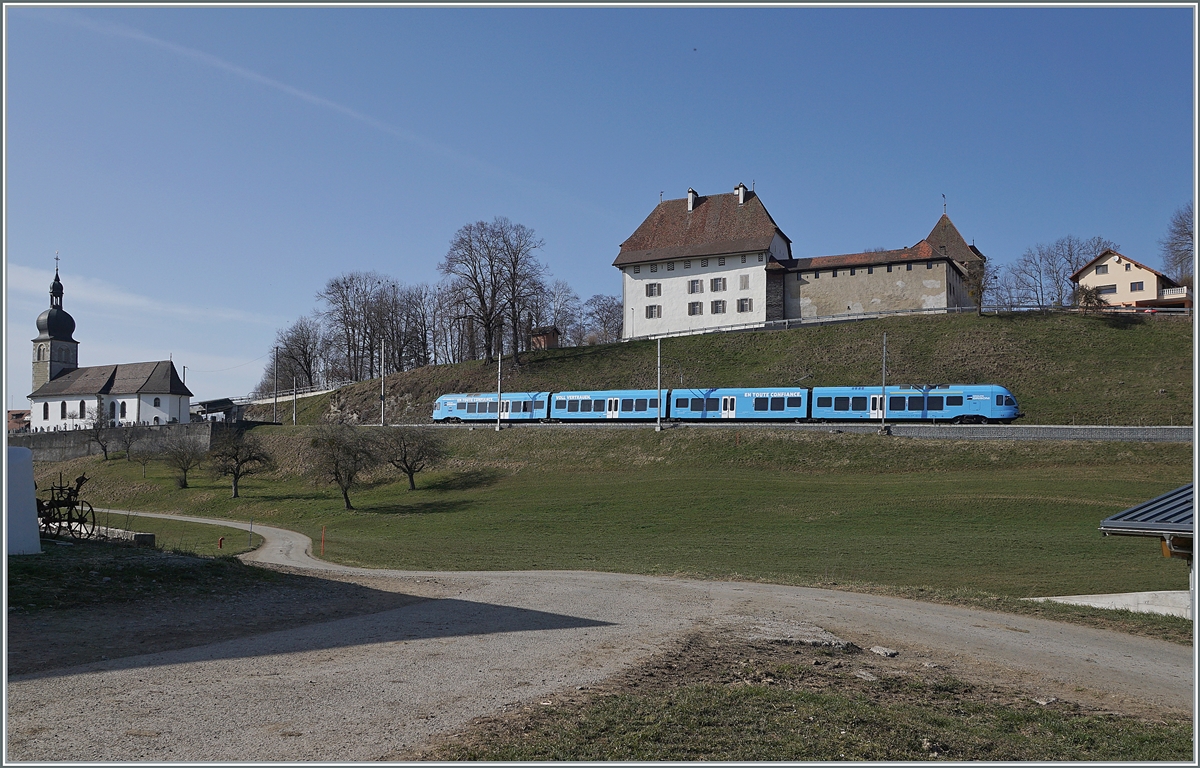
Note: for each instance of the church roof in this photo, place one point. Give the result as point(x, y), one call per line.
point(716, 225)
point(156, 378)
point(55, 324)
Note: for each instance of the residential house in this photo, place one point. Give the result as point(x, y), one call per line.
point(1123, 282)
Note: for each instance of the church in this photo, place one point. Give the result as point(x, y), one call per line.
point(66, 396)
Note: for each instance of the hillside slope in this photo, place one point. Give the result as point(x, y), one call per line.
point(1064, 369)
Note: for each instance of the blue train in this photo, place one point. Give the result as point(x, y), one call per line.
point(954, 403)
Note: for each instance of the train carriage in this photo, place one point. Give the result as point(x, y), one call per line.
point(482, 406)
point(956, 403)
point(609, 404)
point(741, 404)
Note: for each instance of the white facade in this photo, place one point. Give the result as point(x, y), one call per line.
point(54, 414)
point(665, 297)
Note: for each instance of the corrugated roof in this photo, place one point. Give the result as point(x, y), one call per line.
point(158, 378)
point(716, 225)
point(1169, 513)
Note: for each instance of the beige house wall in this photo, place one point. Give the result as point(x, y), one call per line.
point(927, 285)
point(1123, 275)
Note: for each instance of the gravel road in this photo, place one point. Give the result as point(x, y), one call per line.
point(374, 686)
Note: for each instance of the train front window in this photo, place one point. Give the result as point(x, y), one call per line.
point(841, 403)
point(896, 403)
point(1010, 402)
point(776, 403)
point(859, 404)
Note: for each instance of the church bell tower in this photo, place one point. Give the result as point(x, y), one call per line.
point(54, 350)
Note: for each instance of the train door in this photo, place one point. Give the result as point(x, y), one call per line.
point(877, 405)
point(614, 408)
point(728, 408)
point(504, 406)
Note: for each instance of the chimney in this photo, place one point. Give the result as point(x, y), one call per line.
point(691, 199)
point(741, 193)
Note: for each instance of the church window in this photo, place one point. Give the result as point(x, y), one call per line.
point(82, 409)
point(41, 352)
point(62, 410)
point(122, 409)
point(156, 420)
point(157, 403)
point(112, 410)
point(45, 411)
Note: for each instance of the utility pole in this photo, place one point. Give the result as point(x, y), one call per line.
point(275, 374)
point(883, 430)
point(382, 379)
point(658, 384)
point(499, 359)
point(293, 401)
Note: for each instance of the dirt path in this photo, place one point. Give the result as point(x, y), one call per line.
point(383, 683)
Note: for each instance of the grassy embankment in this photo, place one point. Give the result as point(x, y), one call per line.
point(974, 522)
point(1064, 369)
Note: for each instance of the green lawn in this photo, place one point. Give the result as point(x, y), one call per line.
point(1013, 519)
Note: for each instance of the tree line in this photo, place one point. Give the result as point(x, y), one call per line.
point(494, 291)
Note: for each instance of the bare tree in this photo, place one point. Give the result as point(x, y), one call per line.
point(410, 450)
point(100, 433)
point(128, 435)
point(605, 316)
point(520, 273)
point(182, 453)
point(1089, 299)
point(341, 453)
point(981, 282)
point(144, 456)
point(236, 454)
point(1043, 273)
point(1178, 246)
point(564, 309)
point(352, 336)
point(477, 280)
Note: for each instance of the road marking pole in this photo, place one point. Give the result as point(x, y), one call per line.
point(250, 539)
point(322, 541)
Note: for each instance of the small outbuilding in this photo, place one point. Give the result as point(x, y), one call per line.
point(545, 337)
point(1167, 518)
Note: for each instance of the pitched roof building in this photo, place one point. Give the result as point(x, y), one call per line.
point(729, 247)
point(1123, 282)
point(66, 396)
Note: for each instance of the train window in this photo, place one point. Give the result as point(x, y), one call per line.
point(572, 406)
point(491, 407)
point(1010, 402)
point(841, 403)
point(462, 406)
point(824, 402)
point(639, 404)
point(654, 402)
point(896, 403)
point(776, 403)
point(760, 403)
point(471, 407)
point(681, 402)
point(697, 404)
point(711, 404)
point(999, 399)
point(560, 404)
point(935, 402)
point(916, 403)
point(539, 405)
point(795, 402)
point(952, 400)
point(585, 406)
point(859, 404)
point(627, 404)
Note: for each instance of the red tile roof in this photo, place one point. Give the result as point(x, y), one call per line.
point(946, 240)
point(922, 251)
point(717, 226)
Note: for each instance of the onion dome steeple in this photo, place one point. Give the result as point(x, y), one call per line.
point(55, 324)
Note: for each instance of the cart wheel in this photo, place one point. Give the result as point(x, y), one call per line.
point(82, 521)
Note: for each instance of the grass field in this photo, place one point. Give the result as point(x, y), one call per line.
point(1063, 368)
point(1013, 519)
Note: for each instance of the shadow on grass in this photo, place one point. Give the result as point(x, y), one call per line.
point(419, 508)
point(314, 495)
point(1122, 322)
point(465, 481)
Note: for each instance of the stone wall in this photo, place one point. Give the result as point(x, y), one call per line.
point(72, 444)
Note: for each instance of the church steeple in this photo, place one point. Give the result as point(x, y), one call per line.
point(55, 351)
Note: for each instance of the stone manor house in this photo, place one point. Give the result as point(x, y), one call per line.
point(704, 263)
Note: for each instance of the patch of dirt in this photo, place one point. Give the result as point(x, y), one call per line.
point(41, 641)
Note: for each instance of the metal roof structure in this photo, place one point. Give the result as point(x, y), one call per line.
point(1169, 514)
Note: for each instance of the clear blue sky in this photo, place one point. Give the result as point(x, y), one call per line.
point(204, 171)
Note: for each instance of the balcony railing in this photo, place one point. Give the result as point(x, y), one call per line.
point(1182, 290)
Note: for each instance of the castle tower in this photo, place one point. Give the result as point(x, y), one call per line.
point(54, 351)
